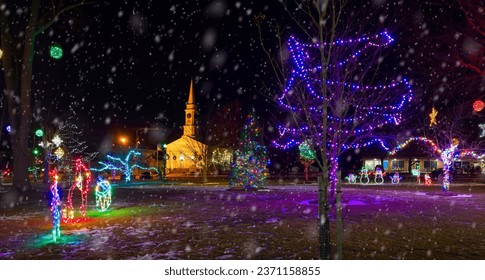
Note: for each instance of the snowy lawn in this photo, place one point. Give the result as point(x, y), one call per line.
point(195, 222)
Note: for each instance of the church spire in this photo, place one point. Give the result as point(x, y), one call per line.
point(189, 127)
point(191, 93)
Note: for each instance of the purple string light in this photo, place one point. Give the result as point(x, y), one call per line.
point(306, 73)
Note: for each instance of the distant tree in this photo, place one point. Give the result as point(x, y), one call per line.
point(455, 134)
point(126, 165)
point(225, 125)
point(63, 142)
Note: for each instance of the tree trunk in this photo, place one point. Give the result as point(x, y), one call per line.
point(323, 220)
point(306, 172)
point(21, 161)
point(339, 218)
point(333, 175)
point(21, 115)
point(204, 174)
point(46, 167)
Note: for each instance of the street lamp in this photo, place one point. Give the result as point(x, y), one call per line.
point(123, 140)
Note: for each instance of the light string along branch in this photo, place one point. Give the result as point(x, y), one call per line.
point(121, 165)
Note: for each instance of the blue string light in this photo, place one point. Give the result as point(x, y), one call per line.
point(55, 205)
point(124, 166)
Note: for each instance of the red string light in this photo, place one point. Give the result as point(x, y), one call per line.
point(82, 182)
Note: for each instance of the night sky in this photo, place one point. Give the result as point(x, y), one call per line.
point(129, 63)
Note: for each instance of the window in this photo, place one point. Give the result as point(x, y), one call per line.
point(385, 164)
point(430, 165)
point(370, 164)
point(397, 165)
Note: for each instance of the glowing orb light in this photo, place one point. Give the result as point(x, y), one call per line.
point(478, 105)
point(1, 54)
point(39, 133)
point(56, 52)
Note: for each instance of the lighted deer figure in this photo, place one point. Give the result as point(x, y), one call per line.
point(82, 182)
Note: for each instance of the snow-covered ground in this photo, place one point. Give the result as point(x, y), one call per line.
point(212, 222)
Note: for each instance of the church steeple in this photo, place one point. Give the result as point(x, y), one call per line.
point(189, 127)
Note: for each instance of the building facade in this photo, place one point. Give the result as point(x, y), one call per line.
point(187, 154)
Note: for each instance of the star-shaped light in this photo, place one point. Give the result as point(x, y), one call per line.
point(432, 117)
point(482, 127)
point(57, 140)
point(59, 153)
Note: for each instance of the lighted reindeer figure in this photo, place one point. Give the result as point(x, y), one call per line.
point(82, 182)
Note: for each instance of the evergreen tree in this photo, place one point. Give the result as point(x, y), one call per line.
point(250, 159)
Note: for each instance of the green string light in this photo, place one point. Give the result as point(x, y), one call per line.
point(306, 151)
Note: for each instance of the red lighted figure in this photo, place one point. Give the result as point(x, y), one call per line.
point(82, 182)
point(427, 179)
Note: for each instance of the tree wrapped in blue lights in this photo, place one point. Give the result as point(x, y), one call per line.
point(250, 159)
point(334, 101)
point(126, 165)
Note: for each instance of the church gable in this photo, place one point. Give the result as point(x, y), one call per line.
point(185, 153)
point(185, 143)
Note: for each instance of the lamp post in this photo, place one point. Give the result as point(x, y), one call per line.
point(162, 171)
point(123, 140)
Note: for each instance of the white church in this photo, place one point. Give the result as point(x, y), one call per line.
point(187, 154)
